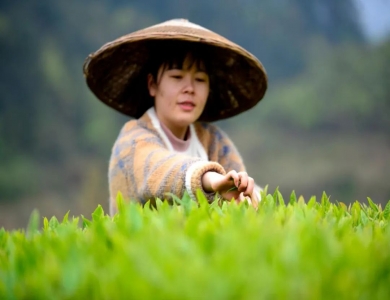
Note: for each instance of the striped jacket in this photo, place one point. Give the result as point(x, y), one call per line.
point(142, 168)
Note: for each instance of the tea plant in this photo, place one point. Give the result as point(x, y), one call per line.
point(195, 250)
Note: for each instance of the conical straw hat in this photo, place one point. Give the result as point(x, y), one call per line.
point(116, 72)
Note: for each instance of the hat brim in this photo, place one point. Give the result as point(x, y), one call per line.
point(116, 72)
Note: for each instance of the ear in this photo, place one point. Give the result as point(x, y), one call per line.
point(151, 85)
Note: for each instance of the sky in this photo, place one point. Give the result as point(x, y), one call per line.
point(375, 18)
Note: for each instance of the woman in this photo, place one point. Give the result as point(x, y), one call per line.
point(174, 78)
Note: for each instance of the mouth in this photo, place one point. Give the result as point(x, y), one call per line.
point(186, 105)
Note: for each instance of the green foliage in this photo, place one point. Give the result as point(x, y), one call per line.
point(342, 87)
point(195, 250)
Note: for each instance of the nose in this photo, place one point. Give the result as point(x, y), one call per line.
point(188, 84)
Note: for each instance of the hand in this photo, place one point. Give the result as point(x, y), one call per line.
point(232, 185)
point(255, 198)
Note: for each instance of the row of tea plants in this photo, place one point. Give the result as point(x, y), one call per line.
point(292, 249)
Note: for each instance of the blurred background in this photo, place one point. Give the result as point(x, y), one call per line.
point(323, 125)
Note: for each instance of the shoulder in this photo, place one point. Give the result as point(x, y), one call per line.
point(142, 124)
point(137, 130)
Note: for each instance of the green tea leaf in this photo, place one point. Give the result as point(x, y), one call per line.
point(275, 195)
point(33, 224)
point(98, 214)
point(343, 206)
point(159, 203)
point(65, 219)
point(280, 199)
point(120, 202)
point(200, 196)
point(86, 223)
point(176, 199)
point(53, 223)
point(268, 204)
point(75, 220)
point(363, 218)
point(372, 204)
point(45, 223)
point(325, 200)
point(293, 198)
point(355, 211)
point(312, 202)
point(301, 201)
point(264, 192)
point(386, 211)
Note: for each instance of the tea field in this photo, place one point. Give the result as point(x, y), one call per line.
point(286, 249)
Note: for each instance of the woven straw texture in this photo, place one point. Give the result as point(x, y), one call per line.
point(116, 72)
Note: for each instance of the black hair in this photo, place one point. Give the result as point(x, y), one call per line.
point(172, 55)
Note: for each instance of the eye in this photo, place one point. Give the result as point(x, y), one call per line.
point(177, 76)
point(201, 76)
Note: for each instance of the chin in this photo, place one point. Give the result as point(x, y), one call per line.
point(186, 121)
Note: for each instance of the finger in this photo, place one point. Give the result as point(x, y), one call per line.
point(243, 181)
point(249, 188)
point(233, 175)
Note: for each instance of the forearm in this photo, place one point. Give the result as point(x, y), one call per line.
point(208, 179)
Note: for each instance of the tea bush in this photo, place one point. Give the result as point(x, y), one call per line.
point(285, 249)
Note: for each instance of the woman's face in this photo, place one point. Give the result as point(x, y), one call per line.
point(180, 95)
